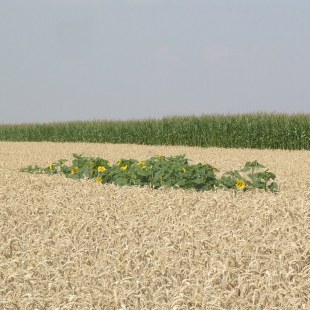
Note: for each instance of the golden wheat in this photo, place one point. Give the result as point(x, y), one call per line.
point(67, 244)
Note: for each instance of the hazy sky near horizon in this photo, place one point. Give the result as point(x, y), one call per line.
point(130, 59)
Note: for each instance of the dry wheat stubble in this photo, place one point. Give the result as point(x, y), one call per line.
point(68, 244)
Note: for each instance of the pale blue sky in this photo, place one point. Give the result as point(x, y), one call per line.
point(133, 59)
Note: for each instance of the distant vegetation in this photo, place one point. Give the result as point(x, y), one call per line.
point(260, 131)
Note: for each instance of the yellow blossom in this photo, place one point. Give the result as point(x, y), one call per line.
point(74, 170)
point(124, 167)
point(141, 164)
point(99, 180)
point(240, 184)
point(160, 157)
point(51, 166)
point(101, 169)
point(183, 170)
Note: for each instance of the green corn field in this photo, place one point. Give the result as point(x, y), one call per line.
point(260, 131)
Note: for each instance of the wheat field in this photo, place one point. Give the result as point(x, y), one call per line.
point(67, 244)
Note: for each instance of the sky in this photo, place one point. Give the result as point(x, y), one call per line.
point(63, 60)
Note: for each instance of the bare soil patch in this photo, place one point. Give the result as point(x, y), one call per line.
point(67, 244)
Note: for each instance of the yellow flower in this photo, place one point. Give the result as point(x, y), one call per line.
point(141, 164)
point(74, 170)
point(240, 184)
point(101, 169)
point(99, 180)
point(183, 170)
point(124, 167)
point(119, 162)
point(51, 166)
point(160, 157)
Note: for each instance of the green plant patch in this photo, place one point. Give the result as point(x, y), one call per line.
point(162, 172)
